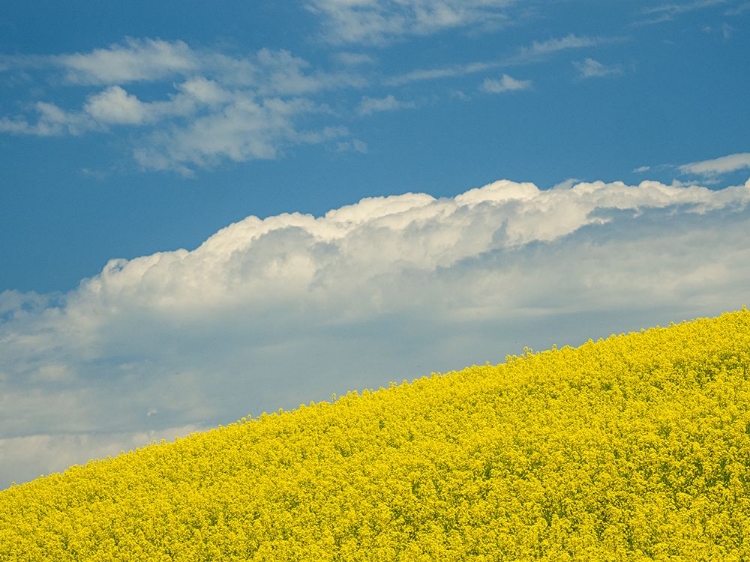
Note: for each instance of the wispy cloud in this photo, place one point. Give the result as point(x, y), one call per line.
point(726, 30)
point(354, 59)
point(718, 166)
point(277, 312)
point(451, 71)
point(133, 61)
point(739, 9)
point(206, 107)
point(681, 8)
point(382, 21)
point(590, 68)
point(51, 121)
point(542, 48)
point(369, 106)
point(354, 145)
point(504, 84)
point(535, 52)
point(214, 107)
point(668, 12)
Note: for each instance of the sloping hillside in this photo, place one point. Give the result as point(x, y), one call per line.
point(637, 447)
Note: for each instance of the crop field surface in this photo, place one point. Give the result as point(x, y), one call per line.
point(636, 447)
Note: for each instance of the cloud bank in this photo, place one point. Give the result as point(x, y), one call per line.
point(275, 312)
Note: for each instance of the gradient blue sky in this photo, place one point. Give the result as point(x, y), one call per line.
point(214, 209)
point(411, 101)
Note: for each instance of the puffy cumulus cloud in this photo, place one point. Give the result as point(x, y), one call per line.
point(245, 129)
point(208, 106)
point(115, 105)
point(275, 312)
point(381, 21)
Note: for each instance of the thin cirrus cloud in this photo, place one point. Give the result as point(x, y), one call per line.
point(684, 7)
point(718, 166)
point(670, 11)
point(590, 68)
point(276, 312)
point(216, 107)
point(368, 105)
point(537, 51)
point(354, 59)
point(504, 84)
point(541, 50)
point(383, 21)
point(739, 9)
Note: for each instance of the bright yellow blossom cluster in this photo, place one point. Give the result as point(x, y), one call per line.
point(632, 448)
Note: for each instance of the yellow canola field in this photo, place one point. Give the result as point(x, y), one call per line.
point(632, 448)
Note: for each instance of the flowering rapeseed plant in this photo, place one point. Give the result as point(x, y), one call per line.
point(632, 448)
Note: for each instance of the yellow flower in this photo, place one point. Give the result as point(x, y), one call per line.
point(631, 448)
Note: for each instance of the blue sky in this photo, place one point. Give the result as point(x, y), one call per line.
point(214, 210)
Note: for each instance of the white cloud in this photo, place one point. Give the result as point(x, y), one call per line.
point(212, 107)
point(281, 73)
point(206, 107)
point(718, 166)
point(571, 41)
point(504, 84)
point(114, 105)
point(675, 9)
point(525, 55)
point(51, 121)
point(380, 21)
point(738, 10)
point(444, 72)
point(136, 60)
point(354, 59)
point(590, 68)
point(355, 145)
point(35, 455)
point(204, 91)
point(244, 129)
point(369, 106)
point(275, 312)
point(668, 12)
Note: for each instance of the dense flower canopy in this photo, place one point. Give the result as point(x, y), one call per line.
point(634, 447)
